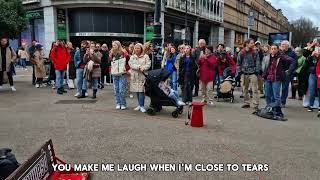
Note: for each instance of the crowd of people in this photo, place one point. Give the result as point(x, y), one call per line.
point(262, 71)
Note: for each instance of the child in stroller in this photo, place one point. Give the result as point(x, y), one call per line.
point(227, 86)
point(160, 94)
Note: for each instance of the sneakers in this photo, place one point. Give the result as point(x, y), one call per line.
point(142, 109)
point(118, 106)
point(211, 103)
point(245, 106)
point(86, 94)
point(310, 109)
point(137, 108)
point(180, 103)
point(13, 88)
point(131, 96)
point(1, 87)
point(77, 94)
point(123, 107)
point(37, 85)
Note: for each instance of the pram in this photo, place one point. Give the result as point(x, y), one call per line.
point(157, 96)
point(227, 86)
point(47, 66)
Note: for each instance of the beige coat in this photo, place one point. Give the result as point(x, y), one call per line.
point(23, 54)
point(137, 79)
point(40, 71)
point(11, 56)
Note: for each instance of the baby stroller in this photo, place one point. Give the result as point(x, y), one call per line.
point(47, 66)
point(227, 86)
point(157, 96)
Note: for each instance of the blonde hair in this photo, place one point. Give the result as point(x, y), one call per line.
point(142, 48)
point(147, 47)
point(119, 50)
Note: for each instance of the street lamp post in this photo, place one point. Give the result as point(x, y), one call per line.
point(185, 23)
point(157, 38)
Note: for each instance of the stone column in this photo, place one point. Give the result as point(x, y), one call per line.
point(230, 39)
point(50, 27)
point(216, 35)
point(196, 33)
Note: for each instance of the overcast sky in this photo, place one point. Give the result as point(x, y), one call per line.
point(294, 9)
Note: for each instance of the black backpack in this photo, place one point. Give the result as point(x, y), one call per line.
point(8, 163)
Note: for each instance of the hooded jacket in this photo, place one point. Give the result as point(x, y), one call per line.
point(207, 67)
point(248, 62)
point(60, 56)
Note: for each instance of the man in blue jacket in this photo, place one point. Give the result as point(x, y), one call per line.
point(285, 84)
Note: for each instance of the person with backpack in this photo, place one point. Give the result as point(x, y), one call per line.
point(118, 57)
point(7, 56)
point(274, 74)
point(60, 56)
point(248, 68)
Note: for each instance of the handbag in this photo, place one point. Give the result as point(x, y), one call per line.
point(118, 66)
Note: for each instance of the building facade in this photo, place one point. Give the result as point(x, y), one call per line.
point(124, 20)
point(267, 20)
point(216, 21)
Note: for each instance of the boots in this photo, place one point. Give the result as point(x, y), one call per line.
point(83, 94)
point(59, 91)
point(94, 94)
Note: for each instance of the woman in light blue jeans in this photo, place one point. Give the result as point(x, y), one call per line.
point(117, 54)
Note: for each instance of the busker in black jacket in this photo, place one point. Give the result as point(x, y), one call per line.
point(187, 74)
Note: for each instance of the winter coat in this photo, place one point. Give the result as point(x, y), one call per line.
point(318, 75)
point(293, 55)
point(96, 58)
point(170, 62)
point(301, 64)
point(78, 58)
point(248, 62)
point(10, 57)
point(137, 78)
point(207, 68)
point(228, 63)
point(60, 56)
point(40, 71)
point(191, 75)
point(23, 54)
point(311, 64)
point(105, 61)
point(282, 61)
point(178, 59)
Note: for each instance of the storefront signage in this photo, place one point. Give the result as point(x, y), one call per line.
point(34, 14)
point(61, 23)
point(149, 26)
point(107, 34)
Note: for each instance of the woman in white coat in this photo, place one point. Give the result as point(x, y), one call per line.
point(139, 63)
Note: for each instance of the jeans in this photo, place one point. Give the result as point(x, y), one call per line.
point(81, 82)
point(187, 91)
point(119, 85)
point(312, 88)
point(140, 96)
point(174, 95)
point(272, 93)
point(23, 62)
point(285, 89)
point(95, 82)
point(59, 78)
point(173, 81)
